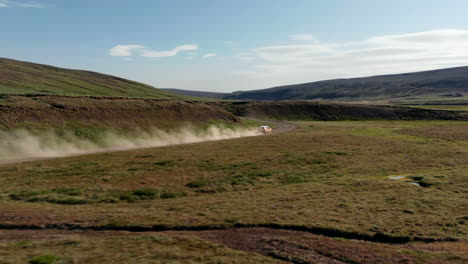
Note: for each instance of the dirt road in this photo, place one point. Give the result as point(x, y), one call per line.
point(280, 127)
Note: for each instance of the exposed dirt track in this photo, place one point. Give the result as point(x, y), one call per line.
point(285, 245)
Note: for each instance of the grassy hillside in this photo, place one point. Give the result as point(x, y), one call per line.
point(446, 85)
point(19, 77)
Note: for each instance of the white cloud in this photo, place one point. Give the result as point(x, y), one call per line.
point(159, 54)
point(376, 55)
point(426, 37)
point(123, 50)
point(31, 5)
point(208, 55)
point(246, 58)
point(22, 4)
point(302, 37)
point(130, 50)
point(318, 60)
point(292, 52)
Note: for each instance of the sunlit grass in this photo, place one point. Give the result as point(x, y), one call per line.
point(333, 175)
point(141, 249)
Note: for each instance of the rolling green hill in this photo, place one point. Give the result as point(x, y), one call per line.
point(19, 77)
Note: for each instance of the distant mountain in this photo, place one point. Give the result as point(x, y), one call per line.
point(445, 83)
point(19, 77)
point(211, 95)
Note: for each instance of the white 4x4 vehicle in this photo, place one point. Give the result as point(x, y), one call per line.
point(265, 130)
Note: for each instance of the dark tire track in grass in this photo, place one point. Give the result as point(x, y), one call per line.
point(296, 247)
point(328, 232)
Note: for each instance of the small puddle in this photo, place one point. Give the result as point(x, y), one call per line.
point(396, 177)
point(401, 177)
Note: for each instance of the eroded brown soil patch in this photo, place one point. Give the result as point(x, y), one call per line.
point(14, 216)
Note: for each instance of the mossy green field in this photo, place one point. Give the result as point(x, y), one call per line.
point(323, 175)
point(141, 249)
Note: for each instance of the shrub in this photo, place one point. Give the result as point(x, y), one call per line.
point(109, 200)
point(72, 191)
point(425, 184)
point(147, 193)
point(338, 153)
point(297, 161)
point(128, 197)
point(417, 178)
point(67, 201)
point(293, 179)
point(241, 180)
point(58, 196)
point(209, 166)
point(25, 195)
point(421, 180)
point(43, 259)
point(165, 163)
point(317, 161)
point(212, 189)
point(169, 195)
point(144, 156)
point(198, 183)
point(256, 174)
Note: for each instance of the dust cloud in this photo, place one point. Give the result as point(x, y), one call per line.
point(21, 145)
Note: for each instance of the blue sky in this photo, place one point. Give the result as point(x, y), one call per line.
point(226, 45)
